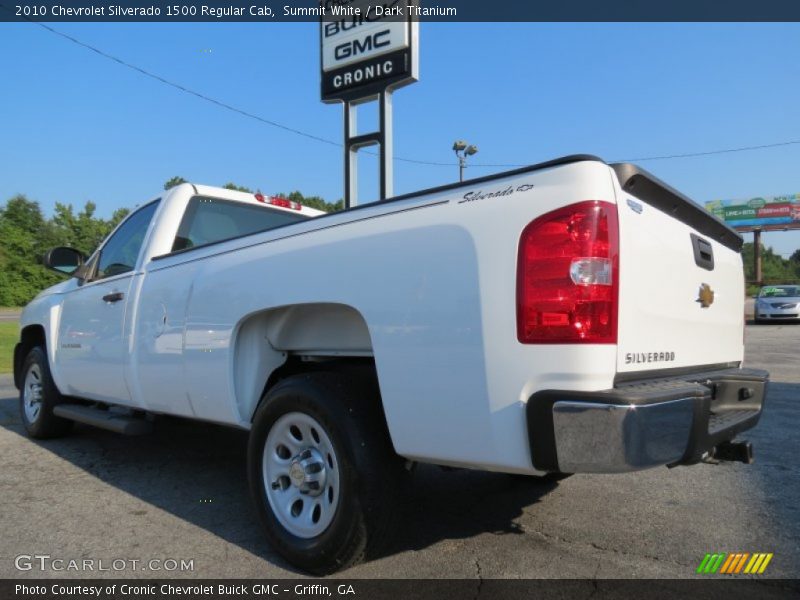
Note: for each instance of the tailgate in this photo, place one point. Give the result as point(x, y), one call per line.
point(681, 295)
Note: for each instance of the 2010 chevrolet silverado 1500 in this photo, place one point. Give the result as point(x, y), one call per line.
point(572, 316)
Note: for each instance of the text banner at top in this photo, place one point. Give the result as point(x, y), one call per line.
point(427, 10)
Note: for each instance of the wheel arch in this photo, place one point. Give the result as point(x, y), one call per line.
point(29, 337)
point(273, 344)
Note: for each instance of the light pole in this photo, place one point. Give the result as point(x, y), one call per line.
point(462, 151)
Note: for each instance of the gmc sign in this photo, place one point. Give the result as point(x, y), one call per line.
point(365, 48)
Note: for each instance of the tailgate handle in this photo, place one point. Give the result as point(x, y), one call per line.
point(703, 252)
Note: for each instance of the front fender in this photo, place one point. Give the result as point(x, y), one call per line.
point(39, 324)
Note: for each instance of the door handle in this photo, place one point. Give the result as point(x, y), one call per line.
point(113, 297)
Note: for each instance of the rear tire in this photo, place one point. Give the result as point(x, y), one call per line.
point(322, 470)
point(38, 396)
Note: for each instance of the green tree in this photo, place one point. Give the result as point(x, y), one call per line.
point(117, 216)
point(237, 188)
point(171, 183)
point(83, 231)
point(78, 231)
point(314, 202)
point(774, 268)
point(23, 235)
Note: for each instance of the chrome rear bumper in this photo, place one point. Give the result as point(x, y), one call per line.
point(643, 424)
point(614, 438)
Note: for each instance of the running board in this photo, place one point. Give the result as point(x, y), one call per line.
point(104, 418)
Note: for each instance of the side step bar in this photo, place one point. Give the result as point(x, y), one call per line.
point(104, 418)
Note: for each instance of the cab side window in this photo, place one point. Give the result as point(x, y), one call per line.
point(120, 252)
point(209, 220)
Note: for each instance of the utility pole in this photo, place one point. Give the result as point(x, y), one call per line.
point(757, 256)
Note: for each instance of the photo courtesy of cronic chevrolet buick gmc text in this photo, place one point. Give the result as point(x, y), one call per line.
point(569, 317)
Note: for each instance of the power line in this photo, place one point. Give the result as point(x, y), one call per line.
point(667, 156)
point(710, 152)
point(323, 140)
point(219, 103)
point(185, 89)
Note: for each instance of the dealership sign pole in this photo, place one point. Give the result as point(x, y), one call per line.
point(367, 50)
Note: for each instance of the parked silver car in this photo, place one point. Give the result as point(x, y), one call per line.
point(775, 302)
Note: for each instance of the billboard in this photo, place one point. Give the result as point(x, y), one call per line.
point(769, 212)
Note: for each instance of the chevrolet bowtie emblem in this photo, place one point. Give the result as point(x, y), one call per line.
point(706, 296)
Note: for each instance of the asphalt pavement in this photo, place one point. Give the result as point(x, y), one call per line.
point(181, 493)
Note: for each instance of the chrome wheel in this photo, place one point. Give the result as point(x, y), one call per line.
point(32, 393)
point(301, 475)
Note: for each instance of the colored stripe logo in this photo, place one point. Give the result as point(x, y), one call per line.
point(735, 563)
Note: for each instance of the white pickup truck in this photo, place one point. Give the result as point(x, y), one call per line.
point(568, 317)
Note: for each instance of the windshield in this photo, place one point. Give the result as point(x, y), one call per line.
point(779, 291)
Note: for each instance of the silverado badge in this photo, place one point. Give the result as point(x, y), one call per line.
point(705, 296)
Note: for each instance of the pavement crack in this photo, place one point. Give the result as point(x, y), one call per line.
point(479, 574)
point(547, 536)
point(652, 557)
point(556, 538)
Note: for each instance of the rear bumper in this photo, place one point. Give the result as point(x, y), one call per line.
point(642, 424)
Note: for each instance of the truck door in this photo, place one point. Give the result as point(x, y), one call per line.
point(92, 349)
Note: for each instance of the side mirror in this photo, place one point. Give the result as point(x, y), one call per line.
point(64, 260)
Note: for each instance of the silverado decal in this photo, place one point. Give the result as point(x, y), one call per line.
point(474, 196)
point(648, 357)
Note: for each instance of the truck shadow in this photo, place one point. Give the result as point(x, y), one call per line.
point(460, 504)
point(196, 472)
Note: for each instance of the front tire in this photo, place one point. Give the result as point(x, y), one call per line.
point(38, 396)
point(322, 470)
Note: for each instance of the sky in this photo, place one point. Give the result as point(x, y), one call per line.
point(77, 126)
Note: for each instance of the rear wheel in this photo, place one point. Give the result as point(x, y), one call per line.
point(301, 472)
point(38, 397)
point(322, 470)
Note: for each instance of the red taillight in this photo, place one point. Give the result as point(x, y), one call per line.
point(568, 276)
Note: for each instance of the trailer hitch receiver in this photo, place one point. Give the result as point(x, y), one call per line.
point(735, 452)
